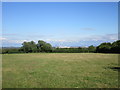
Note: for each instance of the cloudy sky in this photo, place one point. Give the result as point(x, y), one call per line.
point(61, 24)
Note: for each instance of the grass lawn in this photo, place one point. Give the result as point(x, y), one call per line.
point(60, 70)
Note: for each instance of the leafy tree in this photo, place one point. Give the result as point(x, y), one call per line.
point(26, 47)
point(33, 46)
point(46, 48)
point(43, 46)
point(29, 47)
point(116, 47)
point(104, 48)
point(40, 45)
point(91, 48)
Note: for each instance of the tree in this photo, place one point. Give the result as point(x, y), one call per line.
point(25, 47)
point(91, 48)
point(43, 46)
point(40, 45)
point(104, 48)
point(29, 47)
point(47, 47)
point(33, 46)
point(116, 47)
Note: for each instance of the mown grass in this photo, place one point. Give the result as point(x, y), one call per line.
point(60, 70)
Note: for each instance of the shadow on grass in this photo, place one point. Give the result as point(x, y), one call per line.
point(114, 68)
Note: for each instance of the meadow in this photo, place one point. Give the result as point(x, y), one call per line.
point(60, 70)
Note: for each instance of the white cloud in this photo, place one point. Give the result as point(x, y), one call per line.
point(84, 41)
point(18, 41)
point(69, 42)
point(12, 41)
point(107, 37)
point(1, 38)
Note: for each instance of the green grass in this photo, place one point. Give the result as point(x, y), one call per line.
point(59, 70)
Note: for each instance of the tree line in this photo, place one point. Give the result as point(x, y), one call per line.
point(42, 46)
point(109, 47)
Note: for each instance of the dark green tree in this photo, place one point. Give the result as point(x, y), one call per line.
point(29, 47)
point(104, 48)
point(116, 47)
point(91, 48)
point(25, 48)
point(43, 46)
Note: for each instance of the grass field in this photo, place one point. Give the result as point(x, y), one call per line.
point(60, 70)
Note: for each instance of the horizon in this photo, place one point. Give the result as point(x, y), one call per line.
point(69, 24)
point(59, 46)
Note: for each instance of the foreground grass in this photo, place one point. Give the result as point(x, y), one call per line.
point(60, 70)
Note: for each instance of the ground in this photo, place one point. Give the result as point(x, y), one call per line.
point(60, 70)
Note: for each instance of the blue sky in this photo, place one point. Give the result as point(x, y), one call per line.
point(61, 23)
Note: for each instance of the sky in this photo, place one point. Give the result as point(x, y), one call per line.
point(62, 24)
